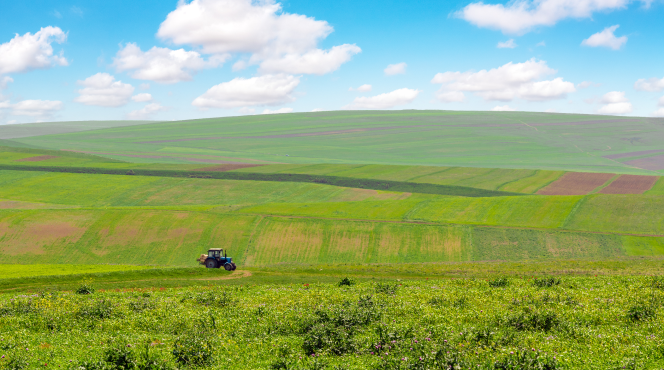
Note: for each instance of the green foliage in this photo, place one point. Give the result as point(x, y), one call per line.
point(641, 312)
point(193, 349)
point(524, 359)
point(500, 282)
point(85, 289)
point(546, 282)
point(346, 282)
point(386, 288)
point(533, 321)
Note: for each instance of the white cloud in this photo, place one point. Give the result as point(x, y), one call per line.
point(587, 84)
point(541, 43)
point(509, 44)
point(660, 102)
point(659, 112)
point(521, 16)
point(615, 102)
point(162, 64)
point(362, 88)
point(278, 111)
point(395, 69)
point(255, 91)
point(384, 101)
point(606, 38)
point(316, 61)
point(318, 110)
point(246, 110)
point(102, 90)
point(28, 52)
point(450, 96)
point(507, 82)
point(651, 84)
point(140, 98)
point(144, 86)
point(35, 108)
point(4, 81)
point(279, 42)
point(146, 111)
point(503, 108)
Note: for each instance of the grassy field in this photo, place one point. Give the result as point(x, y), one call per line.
point(547, 323)
point(537, 141)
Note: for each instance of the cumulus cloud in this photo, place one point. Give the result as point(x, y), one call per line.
point(385, 101)
point(162, 65)
point(660, 102)
point(318, 110)
point(505, 83)
point(102, 90)
point(521, 16)
point(4, 81)
point(146, 111)
point(362, 88)
point(659, 112)
point(450, 96)
point(317, 61)
point(509, 44)
point(140, 98)
point(503, 108)
point(395, 69)
point(279, 42)
point(33, 108)
point(278, 111)
point(606, 39)
point(587, 84)
point(255, 91)
point(615, 102)
point(28, 52)
point(650, 84)
point(246, 110)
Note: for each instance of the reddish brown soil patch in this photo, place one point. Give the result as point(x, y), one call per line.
point(37, 158)
point(227, 167)
point(576, 183)
point(655, 163)
point(630, 184)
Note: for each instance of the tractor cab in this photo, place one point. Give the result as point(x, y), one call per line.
point(217, 258)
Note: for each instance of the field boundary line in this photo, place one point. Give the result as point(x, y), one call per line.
point(431, 223)
point(609, 182)
point(346, 182)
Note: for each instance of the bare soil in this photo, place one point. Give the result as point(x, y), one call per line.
point(630, 184)
point(633, 154)
point(654, 163)
point(38, 158)
point(576, 183)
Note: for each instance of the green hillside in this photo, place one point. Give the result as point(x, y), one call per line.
point(518, 140)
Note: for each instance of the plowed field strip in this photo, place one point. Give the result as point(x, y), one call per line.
point(576, 183)
point(630, 184)
point(654, 163)
point(449, 223)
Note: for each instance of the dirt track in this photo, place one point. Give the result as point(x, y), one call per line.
point(38, 158)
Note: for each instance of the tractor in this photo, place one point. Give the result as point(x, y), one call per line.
point(217, 258)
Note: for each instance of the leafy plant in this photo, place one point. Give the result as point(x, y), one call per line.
point(346, 282)
point(546, 282)
point(499, 282)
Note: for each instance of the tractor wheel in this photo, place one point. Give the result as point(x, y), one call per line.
point(211, 264)
point(228, 267)
point(234, 266)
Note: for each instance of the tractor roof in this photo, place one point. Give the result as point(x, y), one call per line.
point(215, 249)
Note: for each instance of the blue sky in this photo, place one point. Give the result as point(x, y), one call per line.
point(163, 60)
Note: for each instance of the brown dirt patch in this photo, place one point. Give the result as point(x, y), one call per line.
point(37, 158)
point(654, 163)
point(576, 183)
point(630, 184)
point(227, 167)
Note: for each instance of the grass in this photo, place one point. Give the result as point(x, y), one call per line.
point(589, 322)
point(23, 271)
point(429, 138)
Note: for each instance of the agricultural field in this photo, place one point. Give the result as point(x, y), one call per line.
point(378, 240)
point(497, 323)
point(517, 140)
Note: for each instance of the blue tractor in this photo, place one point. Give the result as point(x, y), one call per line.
point(217, 258)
